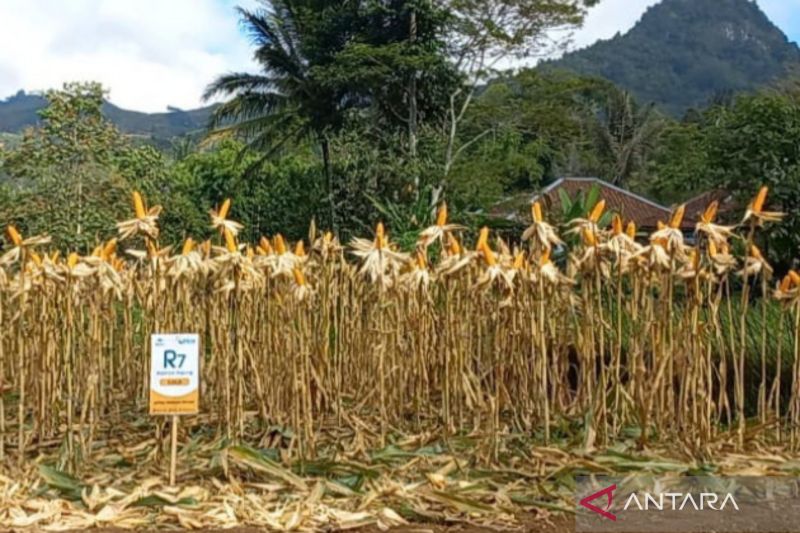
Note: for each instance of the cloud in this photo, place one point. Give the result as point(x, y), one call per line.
point(149, 53)
point(155, 53)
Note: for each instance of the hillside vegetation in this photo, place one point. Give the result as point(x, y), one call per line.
point(21, 111)
point(684, 53)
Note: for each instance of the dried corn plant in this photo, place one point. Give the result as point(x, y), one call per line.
point(608, 338)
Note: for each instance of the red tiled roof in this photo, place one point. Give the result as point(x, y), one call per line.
point(630, 206)
point(697, 205)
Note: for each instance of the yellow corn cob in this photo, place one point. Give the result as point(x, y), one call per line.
point(13, 235)
point(230, 241)
point(483, 238)
point(279, 244)
point(138, 205)
point(758, 202)
point(536, 212)
point(519, 261)
point(677, 217)
point(109, 249)
point(597, 212)
point(630, 230)
point(441, 218)
point(488, 254)
point(588, 237)
point(455, 247)
point(188, 246)
point(616, 225)
point(711, 212)
point(225, 208)
point(422, 262)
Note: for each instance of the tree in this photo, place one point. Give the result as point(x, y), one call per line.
point(73, 132)
point(739, 148)
point(627, 132)
point(61, 173)
point(280, 196)
point(754, 143)
point(396, 63)
point(677, 168)
point(321, 60)
point(483, 34)
point(288, 100)
point(553, 110)
point(72, 176)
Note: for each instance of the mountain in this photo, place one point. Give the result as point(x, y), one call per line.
point(684, 53)
point(19, 112)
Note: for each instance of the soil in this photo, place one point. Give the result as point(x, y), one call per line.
point(528, 523)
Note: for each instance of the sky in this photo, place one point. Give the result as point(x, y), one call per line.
point(152, 54)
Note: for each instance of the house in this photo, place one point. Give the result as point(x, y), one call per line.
point(645, 213)
point(729, 208)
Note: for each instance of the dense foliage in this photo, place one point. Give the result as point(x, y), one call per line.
point(366, 111)
point(737, 147)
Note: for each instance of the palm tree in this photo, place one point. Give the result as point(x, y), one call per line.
point(287, 100)
point(627, 132)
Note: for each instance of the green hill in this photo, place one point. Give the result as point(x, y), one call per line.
point(684, 53)
point(19, 112)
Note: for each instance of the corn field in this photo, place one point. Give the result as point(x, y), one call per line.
point(607, 334)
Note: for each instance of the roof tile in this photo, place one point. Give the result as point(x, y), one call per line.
point(630, 206)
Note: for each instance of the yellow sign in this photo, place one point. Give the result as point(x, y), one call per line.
point(174, 374)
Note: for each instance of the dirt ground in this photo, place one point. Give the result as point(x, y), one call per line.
point(528, 524)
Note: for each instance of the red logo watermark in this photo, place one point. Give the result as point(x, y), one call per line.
point(608, 492)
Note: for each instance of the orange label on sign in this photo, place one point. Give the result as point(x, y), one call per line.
point(175, 382)
point(174, 405)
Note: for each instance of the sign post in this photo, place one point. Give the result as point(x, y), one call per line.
point(174, 381)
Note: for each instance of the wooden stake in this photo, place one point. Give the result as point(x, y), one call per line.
point(173, 456)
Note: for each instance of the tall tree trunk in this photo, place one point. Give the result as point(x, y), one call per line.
point(412, 92)
point(326, 163)
point(412, 103)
